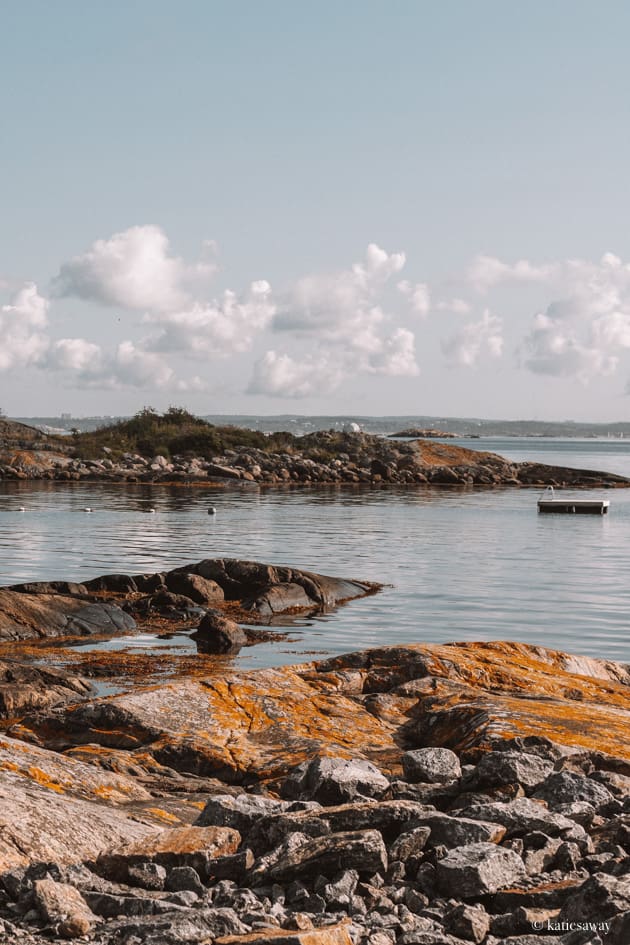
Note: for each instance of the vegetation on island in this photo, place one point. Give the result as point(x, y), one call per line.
point(176, 432)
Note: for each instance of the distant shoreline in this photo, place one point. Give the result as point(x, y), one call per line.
point(384, 425)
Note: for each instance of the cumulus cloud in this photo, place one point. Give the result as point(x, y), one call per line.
point(341, 315)
point(475, 338)
point(22, 328)
point(333, 304)
point(487, 271)
point(396, 355)
point(581, 332)
point(280, 375)
point(133, 269)
point(456, 305)
point(87, 365)
point(554, 350)
point(73, 354)
point(418, 295)
point(219, 327)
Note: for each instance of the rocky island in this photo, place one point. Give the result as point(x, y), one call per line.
point(416, 795)
point(177, 448)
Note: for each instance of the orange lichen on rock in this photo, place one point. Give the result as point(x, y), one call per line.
point(164, 815)
point(250, 726)
point(328, 935)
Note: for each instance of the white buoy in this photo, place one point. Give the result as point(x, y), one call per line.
point(151, 511)
point(87, 509)
point(21, 509)
point(212, 510)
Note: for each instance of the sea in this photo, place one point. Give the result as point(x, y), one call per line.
point(456, 563)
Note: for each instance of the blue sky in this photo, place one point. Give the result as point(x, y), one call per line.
point(158, 155)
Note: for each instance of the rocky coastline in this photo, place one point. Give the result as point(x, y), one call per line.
point(417, 795)
point(326, 458)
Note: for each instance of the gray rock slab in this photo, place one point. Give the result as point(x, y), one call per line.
point(477, 869)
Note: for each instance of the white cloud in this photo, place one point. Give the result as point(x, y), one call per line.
point(73, 354)
point(485, 272)
point(396, 355)
point(581, 332)
point(339, 313)
point(456, 305)
point(466, 346)
point(554, 350)
point(332, 305)
point(418, 294)
point(280, 375)
point(133, 269)
point(86, 365)
point(219, 327)
point(22, 323)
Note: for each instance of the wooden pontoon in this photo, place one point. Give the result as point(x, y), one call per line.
point(569, 506)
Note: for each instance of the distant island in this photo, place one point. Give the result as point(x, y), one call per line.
point(178, 448)
point(384, 425)
point(429, 433)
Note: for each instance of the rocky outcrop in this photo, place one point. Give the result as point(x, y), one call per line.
point(424, 433)
point(502, 839)
point(319, 458)
point(35, 616)
point(24, 687)
point(426, 794)
point(249, 727)
point(41, 823)
point(107, 605)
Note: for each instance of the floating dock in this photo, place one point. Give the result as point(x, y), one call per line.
point(574, 506)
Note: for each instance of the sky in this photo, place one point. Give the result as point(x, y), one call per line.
point(410, 207)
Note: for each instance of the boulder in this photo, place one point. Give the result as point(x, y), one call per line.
point(390, 818)
point(217, 634)
point(477, 869)
point(471, 923)
point(59, 902)
point(409, 844)
point(600, 897)
point(177, 846)
point(241, 812)
point(522, 816)
point(564, 787)
point(337, 780)
point(451, 831)
point(361, 850)
point(281, 598)
point(434, 765)
point(199, 589)
point(511, 767)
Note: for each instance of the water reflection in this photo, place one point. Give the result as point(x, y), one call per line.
point(465, 564)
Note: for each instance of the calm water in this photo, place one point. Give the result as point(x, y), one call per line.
point(463, 564)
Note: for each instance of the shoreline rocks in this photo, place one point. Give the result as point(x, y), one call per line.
point(112, 603)
point(345, 858)
point(324, 458)
point(319, 804)
point(411, 795)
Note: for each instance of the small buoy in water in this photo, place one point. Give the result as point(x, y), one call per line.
point(21, 509)
point(151, 511)
point(87, 509)
point(212, 510)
